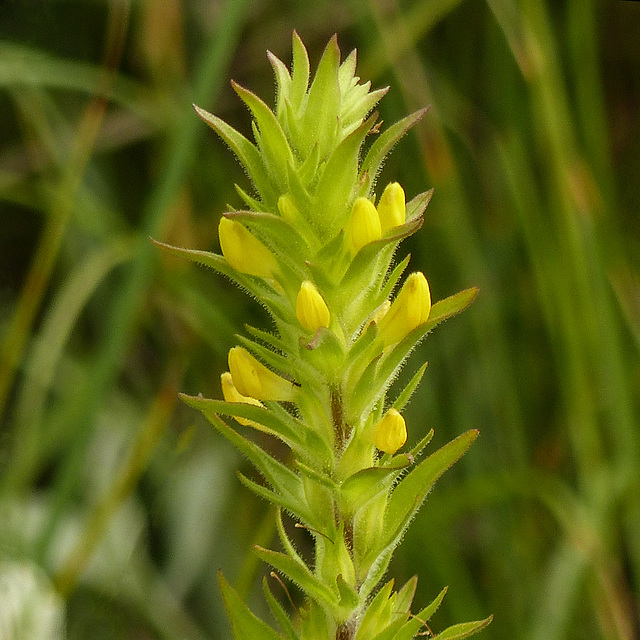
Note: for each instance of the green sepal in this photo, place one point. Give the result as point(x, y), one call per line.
point(463, 630)
point(244, 622)
point(416, 206)
point(247, 153)
point(279, 613)
point(317, 476)
point(299, 573)
point(407, 392)
point(273, 141)
point(409, 494)
point(335, 189)
point(320, 121)
point(372, 162)
point(412, 626)
point(324, 352)
point(417, 450)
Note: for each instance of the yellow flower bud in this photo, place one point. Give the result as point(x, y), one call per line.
point(391, 207)
point(243, 251)
point(231, 394)
point(409, 310)
point(311, 309)
point(364, 226)
point(390, 433)
point(251, 378)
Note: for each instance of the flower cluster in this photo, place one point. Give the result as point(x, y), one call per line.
point(315, 247)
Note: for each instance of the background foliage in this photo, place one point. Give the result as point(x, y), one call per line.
point(117, 505)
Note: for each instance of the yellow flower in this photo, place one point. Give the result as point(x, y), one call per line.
point(231, 394)
point(391, 432)
point(409, 310)
point(391, 208)
point(311, 309)
point(364, 225)
point(252, 379)
point(243, 251)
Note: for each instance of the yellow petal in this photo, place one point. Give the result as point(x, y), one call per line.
point(390, 433)
point(408, 311)
point(251, 378)
point(364, 225)
point(391, 208)
point(231, 394)
point(243, 251)
point(311, 309)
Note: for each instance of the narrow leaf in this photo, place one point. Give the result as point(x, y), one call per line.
point(244, 622)
point(279, 613)
point(463, 630)
point(300, 574)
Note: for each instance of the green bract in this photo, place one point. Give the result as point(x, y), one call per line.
point(314, 249)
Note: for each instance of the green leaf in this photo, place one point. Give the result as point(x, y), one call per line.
point(300, 574)
point(283, 83)
point(412, 626)
point(404, 597)
point(334, 192)
point(415, 208)
point(300, 74)
point(279, 613)
point(377, 613)
point(349, 598)
point(320, 121)
point(244, 622)
point(392, 280)
point(410, 492)
point(451, 306)
point(281, 478)
point(367, 484)
point(298, 509)
point(381, 147)
point(276, 233)
point(407, 392)
point(273, 141)
point(463, 630)
point(246, 152)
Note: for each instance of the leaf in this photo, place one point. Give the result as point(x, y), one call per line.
point(275, 232)
point(300, 74)
point(415, 208)
point(463, 630)
point(410, 492)
point(273, 141)
point(246, 152)
point(320, 121)
point(300, 574)
point(365, 485)
point(407, 392)
point(377, 610)
point(281, 478)
point(340, 174)
point(278, 612)
point(244, 622)
point(412, 626)
point(349, 598)
point(451, 306)
point(385, 142)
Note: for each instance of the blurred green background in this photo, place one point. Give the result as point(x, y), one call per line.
point(118, 505)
